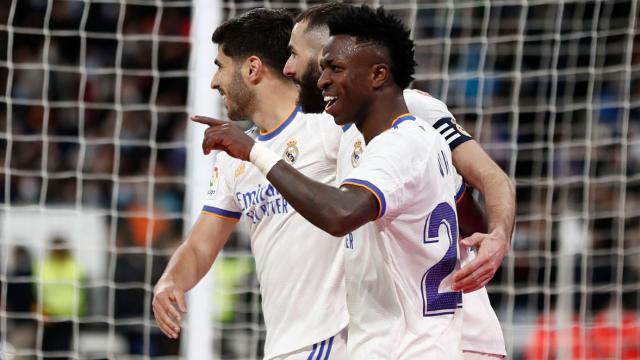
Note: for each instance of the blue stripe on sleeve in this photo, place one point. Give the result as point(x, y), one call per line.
point(222, 212)
point(374, 190)
point(460, 192)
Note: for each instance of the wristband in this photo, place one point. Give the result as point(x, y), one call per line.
point(263, 158)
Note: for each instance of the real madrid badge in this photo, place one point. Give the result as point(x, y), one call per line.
point(291, 152)
point(357, 153)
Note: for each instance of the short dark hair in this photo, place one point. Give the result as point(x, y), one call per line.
point(381, 27)
point(261, 32)
point(316, 16)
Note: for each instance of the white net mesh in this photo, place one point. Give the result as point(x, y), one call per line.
point(92, 131)
point(93, 158)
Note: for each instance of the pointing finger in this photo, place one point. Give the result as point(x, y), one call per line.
point(207, 120)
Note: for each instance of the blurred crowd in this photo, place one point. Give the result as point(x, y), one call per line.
point(551, 90)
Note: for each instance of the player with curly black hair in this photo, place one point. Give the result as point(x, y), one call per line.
point(482, 336)
point(382, 28)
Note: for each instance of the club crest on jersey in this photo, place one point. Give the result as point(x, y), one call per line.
point(357, 153)
point(291, 152)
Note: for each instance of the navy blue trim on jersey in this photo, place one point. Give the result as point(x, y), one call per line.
point(451, 133)
point(373, 189)
point(400, 120)
point(346, 127)
point(460, 192)
point(329, 348)
point(222, 212)
point(273, 133)
point(321, 350)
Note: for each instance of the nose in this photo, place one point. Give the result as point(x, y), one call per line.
point(324, 81)
point(289, 67)
point(215, 83)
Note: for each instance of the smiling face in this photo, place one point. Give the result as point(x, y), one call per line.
point(346, 79)
point(305, 46)
point(228, 80)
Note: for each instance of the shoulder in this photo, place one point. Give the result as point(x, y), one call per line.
point(409, 137)
point(321, 121)
point(224, 161)
point(426, 106)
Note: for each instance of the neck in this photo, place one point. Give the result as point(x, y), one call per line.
point(275, 100)
point(383, 110)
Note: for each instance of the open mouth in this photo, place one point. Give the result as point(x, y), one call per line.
point(329, 102)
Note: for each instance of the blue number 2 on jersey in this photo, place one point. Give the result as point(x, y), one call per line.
point(434, 302)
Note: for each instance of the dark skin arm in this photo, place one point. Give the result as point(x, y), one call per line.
point(337, 211)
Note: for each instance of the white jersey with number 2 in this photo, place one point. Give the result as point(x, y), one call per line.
point(398, 268)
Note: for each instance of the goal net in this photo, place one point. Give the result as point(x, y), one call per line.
point(93, 152)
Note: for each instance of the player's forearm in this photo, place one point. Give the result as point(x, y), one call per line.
point(333, 210)
point(183, 269)
point(482, 173)
point(194, 258)
point(500, 205)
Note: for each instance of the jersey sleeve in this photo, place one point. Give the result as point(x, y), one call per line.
point(460, 186)
point(389, 164)
point(220, 201)
point(436, 114)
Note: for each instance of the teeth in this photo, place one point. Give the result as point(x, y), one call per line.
point(330, 98)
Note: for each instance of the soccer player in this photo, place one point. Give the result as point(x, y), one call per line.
point(482, 335)
point(299, 268)
point(396, 209)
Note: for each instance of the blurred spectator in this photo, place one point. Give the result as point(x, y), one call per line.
point(21, 300)
point(135, 272)
point(59, 277)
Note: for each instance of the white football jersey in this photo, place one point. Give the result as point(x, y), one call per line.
point(482, 331)
point(398, 269)
point(299, 266)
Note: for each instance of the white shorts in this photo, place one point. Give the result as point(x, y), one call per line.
point(475, 355)
point(333, 348)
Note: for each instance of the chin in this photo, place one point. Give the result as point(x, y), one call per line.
point(338, 120)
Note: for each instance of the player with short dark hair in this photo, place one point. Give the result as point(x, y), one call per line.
point(298, 266)
point(396, 209)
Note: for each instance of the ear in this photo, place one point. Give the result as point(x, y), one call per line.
point(253, 69)
point(380, 73)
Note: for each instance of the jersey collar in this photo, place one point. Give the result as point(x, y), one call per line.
point(264, 136)
point(402, 118)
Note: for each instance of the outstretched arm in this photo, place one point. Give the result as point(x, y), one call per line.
point(337, 211)
point(191, 261)
point(477, 168)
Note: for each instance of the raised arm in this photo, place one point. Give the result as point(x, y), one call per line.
point(481, 172)
point(337, 211)
point(191, 261)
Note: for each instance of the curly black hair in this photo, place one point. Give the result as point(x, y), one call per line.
point(261, 32)
point(381, 27)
